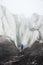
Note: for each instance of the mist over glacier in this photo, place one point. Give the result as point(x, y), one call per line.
point(24, 7)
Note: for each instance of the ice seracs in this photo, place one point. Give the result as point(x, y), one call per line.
point(21, 30)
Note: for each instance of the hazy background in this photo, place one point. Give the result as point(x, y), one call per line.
point(26, 7)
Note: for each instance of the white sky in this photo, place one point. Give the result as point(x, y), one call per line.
point(26, 7)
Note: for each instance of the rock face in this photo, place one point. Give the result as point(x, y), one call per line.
point(8, 50)
point(33, 55)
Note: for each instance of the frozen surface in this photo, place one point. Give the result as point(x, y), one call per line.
point(23, 31)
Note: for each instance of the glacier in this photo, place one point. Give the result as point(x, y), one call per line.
point(21, 30)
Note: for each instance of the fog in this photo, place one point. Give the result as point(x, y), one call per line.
point(23, 7)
